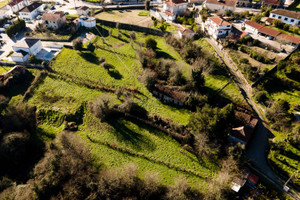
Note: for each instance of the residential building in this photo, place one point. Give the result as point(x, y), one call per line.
point(17, 5)
point(220, 6)
point(286, 16)
point(83, 10)
point(54, 20)
point(31, 11)
point(20, 56)
point(244, 3)
point(217, 27)
point(289, 39)
point(186, 33)
point(29, 45)
point(272, 3)
point(87, 22)
point(175, 7)
point(168, 96)
point(260, 29)
point(3, 12)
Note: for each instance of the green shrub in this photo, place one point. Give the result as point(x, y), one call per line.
point(77, 44)
point(151, 43)
point(16, 27)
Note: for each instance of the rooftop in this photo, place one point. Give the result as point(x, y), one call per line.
point(231, 3)
point(175, 2)
point(289, 38)
point(14, 2)
point(272, 2)
point(26, 43)
point(219, 21)
point(19, 53)
point(287, 13)
point(254, 24)
point(52, 16)
point(83, 8)
point(269, 31)
point(31, 7)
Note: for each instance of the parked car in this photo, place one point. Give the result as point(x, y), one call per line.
point(2, 30)
point(52, 8)
point(57, 3)
point(6, 25)
point(66, 13)
point(38, 17)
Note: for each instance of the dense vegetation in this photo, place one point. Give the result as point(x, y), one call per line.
point(16, 27)
point(279, 93)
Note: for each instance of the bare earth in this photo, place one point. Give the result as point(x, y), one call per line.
point(126, 16)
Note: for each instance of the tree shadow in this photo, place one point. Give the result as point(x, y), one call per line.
point(292, 155)
point(121, 39)
point(136, 140)
point(104, 32)
point(162, 54)
point(90, 57)
point(19, 86)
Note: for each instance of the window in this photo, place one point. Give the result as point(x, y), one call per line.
point(285, 19)
point(273, 15)
point(279, 17)
point(228, 25)
point(292, 20)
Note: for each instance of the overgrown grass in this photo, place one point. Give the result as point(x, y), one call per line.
point(4, 69)
point(3, 3)
point(50, 36)
point(143, 13)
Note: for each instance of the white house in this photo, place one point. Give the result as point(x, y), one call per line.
point(286, 16)
point(29, 45)
point(31, 11)
point(220, 6)
point(3, 12)
point(175, 7)
point(186, 33)
point(217, 27)
point(87, 22)
point(54, 20)
point(17, 5)
point(20, 56)
point(83, 10)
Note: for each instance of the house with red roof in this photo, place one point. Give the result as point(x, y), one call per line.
point(220, 6)
point(217, 27)
point(171, 8)
point(17, 5)
point(273, 3)
point(186, 33)
point(256, 28)
point(289, 39)
point(286, 16)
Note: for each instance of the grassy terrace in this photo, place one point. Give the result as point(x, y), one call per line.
point(122, 141)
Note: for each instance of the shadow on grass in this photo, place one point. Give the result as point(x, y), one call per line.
point(121, 39)
point(19, 86)
point(104, 32)
point(162, 54)
point(90, 57)
point(135, 140)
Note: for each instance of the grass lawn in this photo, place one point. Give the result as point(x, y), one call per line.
point(4, 69)
point(144, 13)
point(50, 35)
point(121, 141)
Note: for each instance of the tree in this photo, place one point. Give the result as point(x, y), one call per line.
point(197, 79)
point(101, 107)
point(77, 44)
point(147, 5)
point(151, 43)
point(286, 27)
point(277, 23)
point(228, 13)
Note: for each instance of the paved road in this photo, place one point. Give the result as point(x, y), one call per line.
point(258, 147)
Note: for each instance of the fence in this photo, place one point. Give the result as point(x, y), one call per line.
point(132, 27)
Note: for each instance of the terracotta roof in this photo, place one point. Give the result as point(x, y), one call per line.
point(52, 16)
point(253, 178)
point(289, 38)
point(269, 31)
point(269, 20)
point(219, 21)
point(175, 2)
point(253, 24)
point(231, 3)
point(287, 13)
point(83, 8)
point(272, 2)
point(14, 2)
point(31, 7)
point(169, 13)
point(186, 31)
point(243, 133)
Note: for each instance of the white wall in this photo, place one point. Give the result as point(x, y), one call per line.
point(20, 59)
point(284, 19)
point(29, 16)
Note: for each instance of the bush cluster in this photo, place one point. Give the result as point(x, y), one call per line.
point(16, 27)
point(255, 55)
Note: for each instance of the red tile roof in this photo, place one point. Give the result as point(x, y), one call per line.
point(187, 31)
point(170, 93)
point(219, 21)
point(175, 2)
point(269, 31)
point(272, 2)
point(253, 178)
point(253, 24)
point(231, 3)
point(289, 38)
point(287, 13)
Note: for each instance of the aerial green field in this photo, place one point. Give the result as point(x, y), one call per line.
point(64, 92)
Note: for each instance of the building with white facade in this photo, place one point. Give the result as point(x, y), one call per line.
point(87, 22)
point(220, 6)
point(186, 33)
point(31, 11)
point(29, 45)
point(20, 56)
point(83, 10)
point(175, 7)
point(54, 20)
point(217, 27)
point(17, 5)
point(286, 16)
